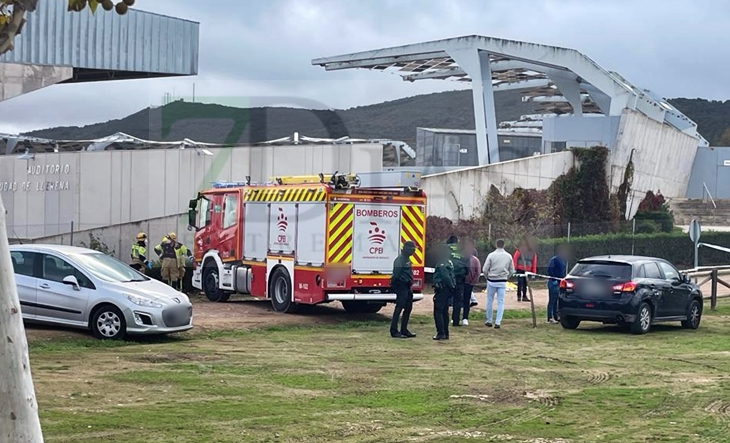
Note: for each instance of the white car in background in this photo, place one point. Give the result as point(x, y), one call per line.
point(78, 287)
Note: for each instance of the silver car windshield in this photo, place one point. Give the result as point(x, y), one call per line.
point(108, 268)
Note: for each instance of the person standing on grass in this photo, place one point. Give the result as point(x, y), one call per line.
point(525, 260)
point(401, 283)
point(460, 261)
point(472, 277)
point(498, 268)
point(443, 284)
point(556, 269)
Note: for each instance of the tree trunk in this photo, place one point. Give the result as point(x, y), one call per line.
point(19, 422)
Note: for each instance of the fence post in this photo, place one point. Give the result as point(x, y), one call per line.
point(713, 291)
point(72, 233)
point(566, 261)
point(633, 235)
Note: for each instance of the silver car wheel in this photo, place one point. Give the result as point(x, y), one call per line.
point(645, 318)
point(108, 324)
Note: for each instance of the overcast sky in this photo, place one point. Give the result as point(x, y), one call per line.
point(253, 48)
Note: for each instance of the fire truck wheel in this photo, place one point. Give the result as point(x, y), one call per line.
point(210, 285)
point(361, 307)
point(280, 291)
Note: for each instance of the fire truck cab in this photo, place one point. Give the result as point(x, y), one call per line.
point(309, 240)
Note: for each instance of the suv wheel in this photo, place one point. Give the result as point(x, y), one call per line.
point(569, 322)
point(694, 315)
point(642, 324)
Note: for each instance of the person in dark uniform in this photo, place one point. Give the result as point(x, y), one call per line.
point(444, 284)
point(401, 282)
point(460, 261)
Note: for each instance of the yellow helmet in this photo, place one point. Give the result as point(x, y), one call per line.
point(172, 236)
point(141, 236)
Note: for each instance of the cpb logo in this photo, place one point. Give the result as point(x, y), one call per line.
point(282, 222)
point(377, 238)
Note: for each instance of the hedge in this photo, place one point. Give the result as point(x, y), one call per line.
point(674, 247)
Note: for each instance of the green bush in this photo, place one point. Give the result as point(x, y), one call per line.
point(674, 247)
point(647, 227)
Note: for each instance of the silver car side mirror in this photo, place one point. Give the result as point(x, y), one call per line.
point(71, 281)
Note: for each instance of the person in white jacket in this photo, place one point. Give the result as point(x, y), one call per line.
point(498, 268)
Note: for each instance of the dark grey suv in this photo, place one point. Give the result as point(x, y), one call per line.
point(628, 290)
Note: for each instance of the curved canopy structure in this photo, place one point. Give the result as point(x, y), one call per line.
point(562, 80)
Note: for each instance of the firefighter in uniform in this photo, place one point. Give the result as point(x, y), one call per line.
point(183, 254)
point(444, 283)
point(401, 282)
point(167, 250)
point(139, 253)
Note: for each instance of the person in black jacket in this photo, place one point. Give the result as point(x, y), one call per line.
point(460, 261)
point(400, 283)
point(444, 284)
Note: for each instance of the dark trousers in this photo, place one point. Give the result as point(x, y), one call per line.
point(458, 296)
point(404, 306)
point(552, 307)
point(466, 299)
point(441, 311)
point(521, 287)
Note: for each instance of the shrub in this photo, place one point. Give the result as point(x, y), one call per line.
point(647, 227)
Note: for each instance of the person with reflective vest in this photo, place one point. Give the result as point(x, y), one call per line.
point(461, 269)
point(183, 254)
point(167, 251)
point(139, 253)
point(524, 260)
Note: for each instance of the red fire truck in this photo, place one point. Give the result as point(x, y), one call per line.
point(308, 240)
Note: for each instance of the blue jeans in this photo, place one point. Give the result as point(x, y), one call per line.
point(491, 291)
point(552, 307)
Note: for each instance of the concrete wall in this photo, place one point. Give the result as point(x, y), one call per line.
point(581, 131)
point(460, 194)
point(663, 158)
point(98, 189)
point(712, 168)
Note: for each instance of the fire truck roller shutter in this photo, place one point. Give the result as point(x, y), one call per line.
point(255, 231)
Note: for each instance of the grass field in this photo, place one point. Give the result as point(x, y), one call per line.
point(352, 383)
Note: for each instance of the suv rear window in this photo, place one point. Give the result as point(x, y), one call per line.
point(607, 270)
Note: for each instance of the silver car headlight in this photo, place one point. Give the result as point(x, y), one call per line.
point(142, 301)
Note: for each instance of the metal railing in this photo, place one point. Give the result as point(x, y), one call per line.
point(707, 190)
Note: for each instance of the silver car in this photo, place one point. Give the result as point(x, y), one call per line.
point(78, 287)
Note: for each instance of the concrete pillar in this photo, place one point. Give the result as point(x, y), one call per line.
point(570, 89)
point(18, 79)
point(478, 65)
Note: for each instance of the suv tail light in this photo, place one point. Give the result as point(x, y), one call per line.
point(629, 286)
point(566, 284)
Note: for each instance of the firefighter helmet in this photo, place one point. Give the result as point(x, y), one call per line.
point(172, 236)
point(141, 236)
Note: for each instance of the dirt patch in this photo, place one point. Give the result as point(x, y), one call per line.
point(174, 358)
point(543, 398)
point(719, 408)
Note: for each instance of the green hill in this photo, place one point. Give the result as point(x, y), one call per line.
point(397, 119)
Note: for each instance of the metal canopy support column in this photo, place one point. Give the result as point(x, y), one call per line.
point(570, 89)
point(478, 65)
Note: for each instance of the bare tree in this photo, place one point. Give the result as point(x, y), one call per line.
point(19, 422)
